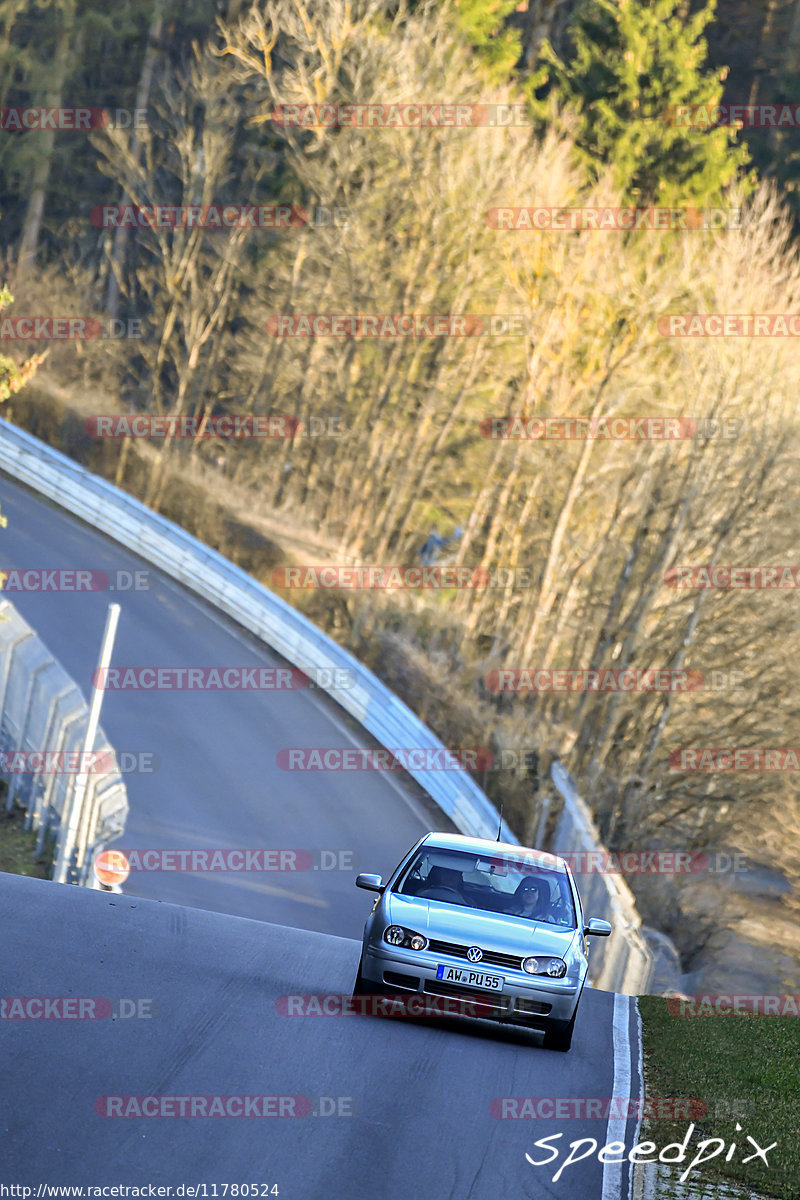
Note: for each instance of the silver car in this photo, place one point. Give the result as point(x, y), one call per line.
point(491, 923)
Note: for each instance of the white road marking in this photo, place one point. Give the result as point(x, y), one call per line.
point(621, 1089)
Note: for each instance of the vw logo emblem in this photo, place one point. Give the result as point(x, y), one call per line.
point(474, 954)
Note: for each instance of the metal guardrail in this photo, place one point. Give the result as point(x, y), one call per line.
point(623, 962)
point(624, 967)
point(42, 713)
point(234, 592)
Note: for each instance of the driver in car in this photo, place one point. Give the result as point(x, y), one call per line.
point(531, 899)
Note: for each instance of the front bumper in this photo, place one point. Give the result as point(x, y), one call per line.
point(525, 999)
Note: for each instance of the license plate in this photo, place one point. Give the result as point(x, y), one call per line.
point(480, 979)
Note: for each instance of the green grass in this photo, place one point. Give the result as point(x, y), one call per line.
point(18, 847)
point(744, 1068)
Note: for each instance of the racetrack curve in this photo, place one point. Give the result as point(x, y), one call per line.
point(217, 784)
point(420, 1094)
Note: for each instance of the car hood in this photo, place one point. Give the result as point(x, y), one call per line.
point(472, 926)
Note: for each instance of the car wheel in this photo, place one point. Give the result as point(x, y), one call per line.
point(558, 1035)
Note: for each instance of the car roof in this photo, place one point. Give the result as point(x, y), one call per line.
point(458, 841)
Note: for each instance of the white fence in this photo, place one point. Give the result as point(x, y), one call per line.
point(259, 610)
point(43, 720)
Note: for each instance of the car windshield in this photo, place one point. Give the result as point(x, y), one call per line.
point(519, 887)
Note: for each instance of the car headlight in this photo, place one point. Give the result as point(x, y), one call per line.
point(398, 935)
point(556, 968)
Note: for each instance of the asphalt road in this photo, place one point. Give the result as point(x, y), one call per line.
point(411, 1103)
point(217, 783)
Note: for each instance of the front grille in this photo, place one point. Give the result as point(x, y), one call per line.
point(455, 950)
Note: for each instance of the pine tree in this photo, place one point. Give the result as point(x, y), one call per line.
point(484, 24)
point(633, 63)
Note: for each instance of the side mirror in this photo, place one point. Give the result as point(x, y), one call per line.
point(374, 883)
point(597, 927)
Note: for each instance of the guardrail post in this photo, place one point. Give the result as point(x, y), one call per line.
point(67, 867)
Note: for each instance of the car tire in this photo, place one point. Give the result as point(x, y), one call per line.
point(558, 1035)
